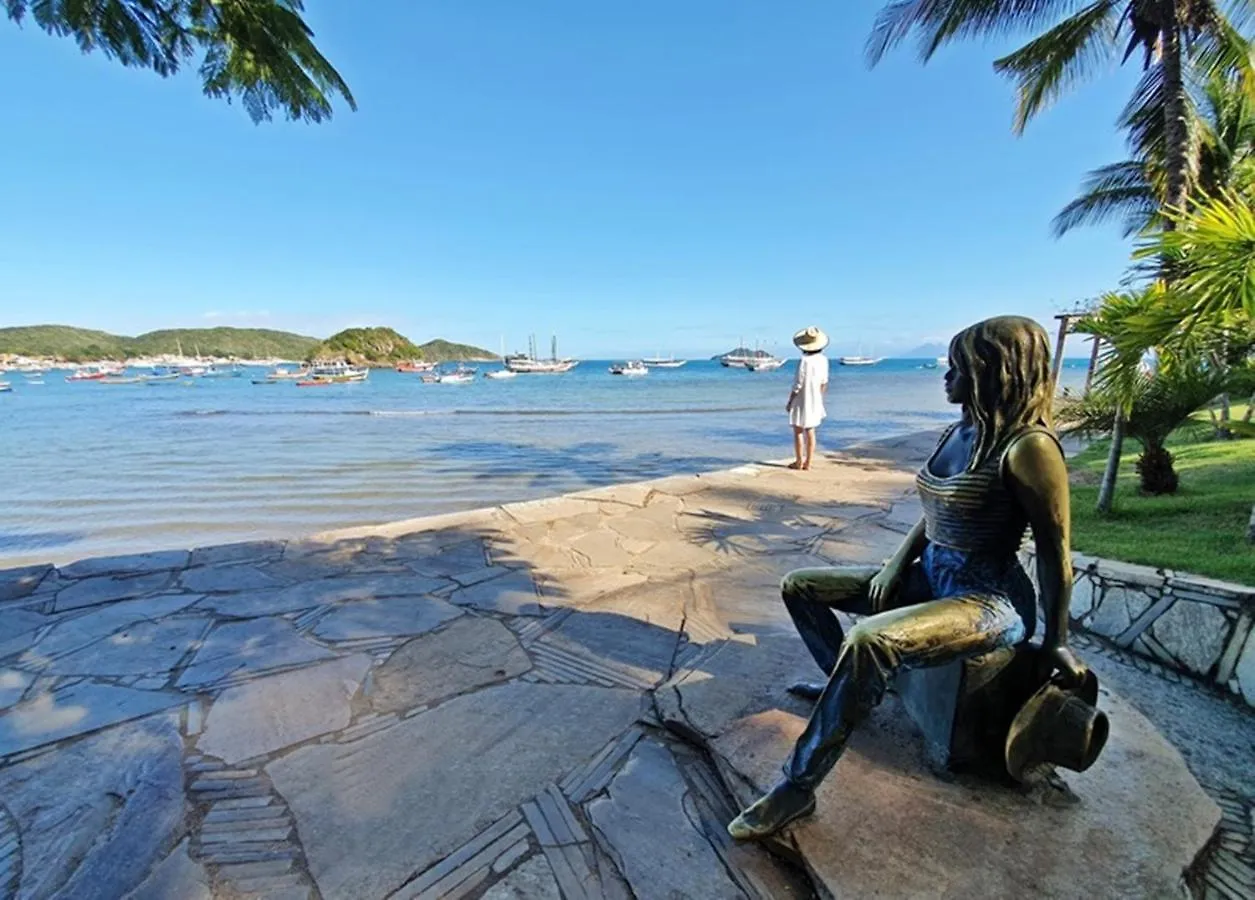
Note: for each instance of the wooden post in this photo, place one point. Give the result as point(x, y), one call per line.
point(1065, 320)
point(1093, 363)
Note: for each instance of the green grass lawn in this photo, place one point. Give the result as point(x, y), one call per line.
point(1200, 529)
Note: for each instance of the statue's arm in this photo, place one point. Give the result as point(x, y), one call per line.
point(910, 549)
point(886, 581)
point(1038, 476)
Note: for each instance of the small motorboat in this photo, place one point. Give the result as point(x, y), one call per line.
point(416, 366)
point(857, 360)
point(459, 377)
point(124, 379)
point(5, 387)
point(501, 374)
point(634, 368)
point(89, 373)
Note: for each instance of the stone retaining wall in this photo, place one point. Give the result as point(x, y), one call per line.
point(1192, 624)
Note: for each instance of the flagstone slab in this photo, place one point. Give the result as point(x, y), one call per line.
point(885, 826)
point(650, 825)
point(13, 684)
point(468, 654)
point(451, 561)
point(133, 564)
point(249, 647)
point(143, 648)
point(390, 617)
point(549, 509)
point(110, 589)
point(258, 604)
point(177, 877)
point(18, 583)
point(242, 552)
point(97, 815)
point(601, 548)
point(533, 880)
point(73, 633)
point(79, 709)
point(514, 594)
point(364, 587)
point(18, 629)
point(271, 713)
point(226, 579)
point(372, 814)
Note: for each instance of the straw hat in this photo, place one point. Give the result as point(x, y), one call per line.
point(1058, 726)
point(810, 339)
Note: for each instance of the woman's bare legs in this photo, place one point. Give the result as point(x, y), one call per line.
point(797, 448)
point(810, 447)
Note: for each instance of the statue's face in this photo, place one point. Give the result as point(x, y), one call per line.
point(958, 385)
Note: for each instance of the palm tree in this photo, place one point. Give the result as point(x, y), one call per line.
point(1222, 125)
point(1169, 33)
point(258, 50)
point(1154, 407)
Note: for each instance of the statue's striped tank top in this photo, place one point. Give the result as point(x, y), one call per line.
point(973, 511)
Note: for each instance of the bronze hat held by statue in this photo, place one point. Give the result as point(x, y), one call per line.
point(954, 589)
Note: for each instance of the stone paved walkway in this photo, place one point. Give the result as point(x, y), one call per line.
point(490, 704)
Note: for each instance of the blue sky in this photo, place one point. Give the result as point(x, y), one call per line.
point(634, 177)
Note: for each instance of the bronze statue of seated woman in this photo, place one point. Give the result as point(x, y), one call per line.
point(955, 588)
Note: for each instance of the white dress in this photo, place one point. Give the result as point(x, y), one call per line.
point(808, 403)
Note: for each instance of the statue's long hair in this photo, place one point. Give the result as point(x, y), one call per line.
point(1007, 362)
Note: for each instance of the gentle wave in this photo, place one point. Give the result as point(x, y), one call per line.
point(487, 413)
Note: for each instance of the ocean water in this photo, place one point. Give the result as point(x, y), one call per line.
point(92, 469)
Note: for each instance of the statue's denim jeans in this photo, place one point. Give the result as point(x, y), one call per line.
point(949, 606)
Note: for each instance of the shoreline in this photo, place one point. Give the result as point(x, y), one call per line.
point(484, 514)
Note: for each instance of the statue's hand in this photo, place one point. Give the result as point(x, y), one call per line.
point(883, 586)
point(1070, 669)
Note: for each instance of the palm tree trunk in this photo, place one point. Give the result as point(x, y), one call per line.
point(1176, 129)
point(1107, 490)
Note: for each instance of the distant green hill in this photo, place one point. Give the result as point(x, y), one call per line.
point(244, 343)
point(77, 344)
point(446, 351)
point(366, 347)
point(61, 341)
point(363, 346)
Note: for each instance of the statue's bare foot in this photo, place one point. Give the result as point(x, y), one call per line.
point(784, 803)
point(807, 690)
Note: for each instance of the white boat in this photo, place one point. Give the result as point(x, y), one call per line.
point(528, 364)
point(5, 387)
point(661, 362)
point(458, 377)
point(501, 374)
point(943, 360)
point(857, 360)
point(633, 368)
point(764, 364)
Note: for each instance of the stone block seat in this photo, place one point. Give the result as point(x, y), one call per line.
point(964, 709)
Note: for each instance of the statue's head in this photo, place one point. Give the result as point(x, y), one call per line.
point(1000, 373)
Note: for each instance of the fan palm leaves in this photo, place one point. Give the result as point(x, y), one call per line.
point(260, 51)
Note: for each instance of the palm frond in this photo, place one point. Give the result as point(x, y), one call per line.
point(938, 22)
point(260, 51)
point(1043, 68)
point(1125, 189)
point(1213, 249)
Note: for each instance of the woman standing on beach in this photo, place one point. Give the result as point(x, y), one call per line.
point(806, 399)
